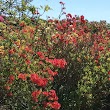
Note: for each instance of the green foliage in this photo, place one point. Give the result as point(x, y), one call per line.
point(82, 85)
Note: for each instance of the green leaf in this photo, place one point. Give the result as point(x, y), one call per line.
point(47, 8)
point(96, 68)
point(103, 70)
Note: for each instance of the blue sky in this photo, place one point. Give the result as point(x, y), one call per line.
point(93, 10)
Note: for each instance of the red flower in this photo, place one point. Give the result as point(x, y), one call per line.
point(74, 40)
point(27, 49)
point(23, 55)
point(34, 77)
point(52, 72)
point(55, 105)
point(61, 63)
point(82, 19)
point(95, 45)
point(46, 104)
point(45, 93)
point(38, 80)
point(64, 25)
point(109, 72)
point(22, 24)
point(50, 20)
point(101, 48)
point(28, 62)
point(42, 82)
point(69, 15)
point(11, 79)
point(9, 94)
point(96, 61)
point(35, 95)
point(11, 51)
point(59, 26)
point(52, 95)
point(40, 54)
point(22, 76)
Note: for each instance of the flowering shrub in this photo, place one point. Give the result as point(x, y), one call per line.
point(26, 70)
point(40, 59)
point(85, 46)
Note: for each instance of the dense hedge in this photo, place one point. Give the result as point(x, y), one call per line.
point(54, 63)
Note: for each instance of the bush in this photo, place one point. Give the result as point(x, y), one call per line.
point(84, 83)
point(40, 56)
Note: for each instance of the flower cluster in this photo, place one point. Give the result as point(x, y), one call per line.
point(61, 63)
point(52, 99)
point(38, 80)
